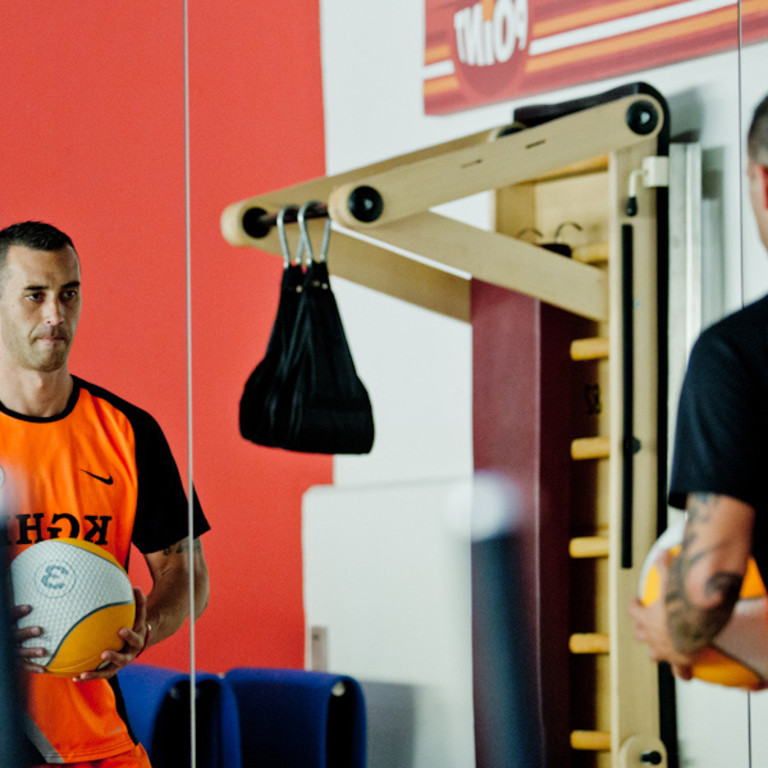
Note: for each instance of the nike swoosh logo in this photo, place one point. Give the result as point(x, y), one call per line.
point(106, 480)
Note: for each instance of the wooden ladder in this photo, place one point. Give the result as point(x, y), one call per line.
point(614, 477)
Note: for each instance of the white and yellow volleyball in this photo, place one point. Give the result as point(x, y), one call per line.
point(80, 596)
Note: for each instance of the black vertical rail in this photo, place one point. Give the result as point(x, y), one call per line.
point(629, 443)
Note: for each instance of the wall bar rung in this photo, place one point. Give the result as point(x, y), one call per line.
point(589, 546)
point(585, 642)
point(590, 448)
point(596, 348)
point(593, 741)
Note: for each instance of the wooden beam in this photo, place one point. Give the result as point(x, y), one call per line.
point(631, 669)
point(383, 270)
point(321, 188)
point(403, 278)
point(418, 186)
point(503, 261)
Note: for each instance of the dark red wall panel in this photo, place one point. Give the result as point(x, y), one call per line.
point(522, 430)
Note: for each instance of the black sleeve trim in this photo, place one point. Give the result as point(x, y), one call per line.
point(162, 510)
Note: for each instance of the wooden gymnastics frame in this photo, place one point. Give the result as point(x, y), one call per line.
point(427, 259)
point(411, 184)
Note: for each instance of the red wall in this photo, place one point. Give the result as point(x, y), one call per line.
point(92, 140)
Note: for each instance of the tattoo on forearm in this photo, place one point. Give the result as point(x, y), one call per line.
point(691, 626)
point(700, 506)
point(180, 547)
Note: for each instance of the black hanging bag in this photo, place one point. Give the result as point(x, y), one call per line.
point(322, 405)
point(256, 422)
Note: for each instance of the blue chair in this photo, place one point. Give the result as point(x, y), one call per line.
point(158, 707)
point(149, 694)
point(299, 719)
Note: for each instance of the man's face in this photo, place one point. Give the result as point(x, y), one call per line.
point(39, 307)
point(757, 173)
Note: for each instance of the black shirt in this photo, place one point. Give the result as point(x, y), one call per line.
point(721, 439)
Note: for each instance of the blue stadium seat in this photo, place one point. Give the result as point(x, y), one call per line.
point(299, 719)
point(158, 707)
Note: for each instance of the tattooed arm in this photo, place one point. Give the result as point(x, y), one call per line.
point(168, 601)
point(705, 578)
point(700, 585)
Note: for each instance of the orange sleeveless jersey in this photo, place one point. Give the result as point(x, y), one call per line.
point(101, 471)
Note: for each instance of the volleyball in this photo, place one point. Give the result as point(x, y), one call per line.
point(738, 657)
point(80, 597)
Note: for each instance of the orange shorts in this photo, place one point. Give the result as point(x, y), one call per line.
point(134, 758)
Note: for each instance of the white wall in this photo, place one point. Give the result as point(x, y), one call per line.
point(387, 575)
point(417, 365)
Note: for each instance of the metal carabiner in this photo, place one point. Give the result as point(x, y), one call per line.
point(526, 230)
point(284, 240)
point(565, 224)
point(305, 234)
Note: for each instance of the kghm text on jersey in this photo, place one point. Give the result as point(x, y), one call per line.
point(29, 528)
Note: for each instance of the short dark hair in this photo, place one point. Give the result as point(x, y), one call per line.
point(757, 138)
point(35, 235)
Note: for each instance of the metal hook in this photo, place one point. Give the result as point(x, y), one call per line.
point(284, 240)
point(535, 231)
point(562, 226)
point(305, 234)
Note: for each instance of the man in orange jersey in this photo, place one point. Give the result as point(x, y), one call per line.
point(718, 473)
point(78, 461)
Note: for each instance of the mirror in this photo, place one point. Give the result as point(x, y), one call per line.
point(95, 142)
point(97, 149)
point(101, 152)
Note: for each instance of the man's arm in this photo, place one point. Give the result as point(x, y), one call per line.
point(705, 577)
point(168, 602)
point(166, 607)
point(701, 585)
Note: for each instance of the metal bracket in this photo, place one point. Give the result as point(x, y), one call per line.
point(642, 750)
point(653, 173)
